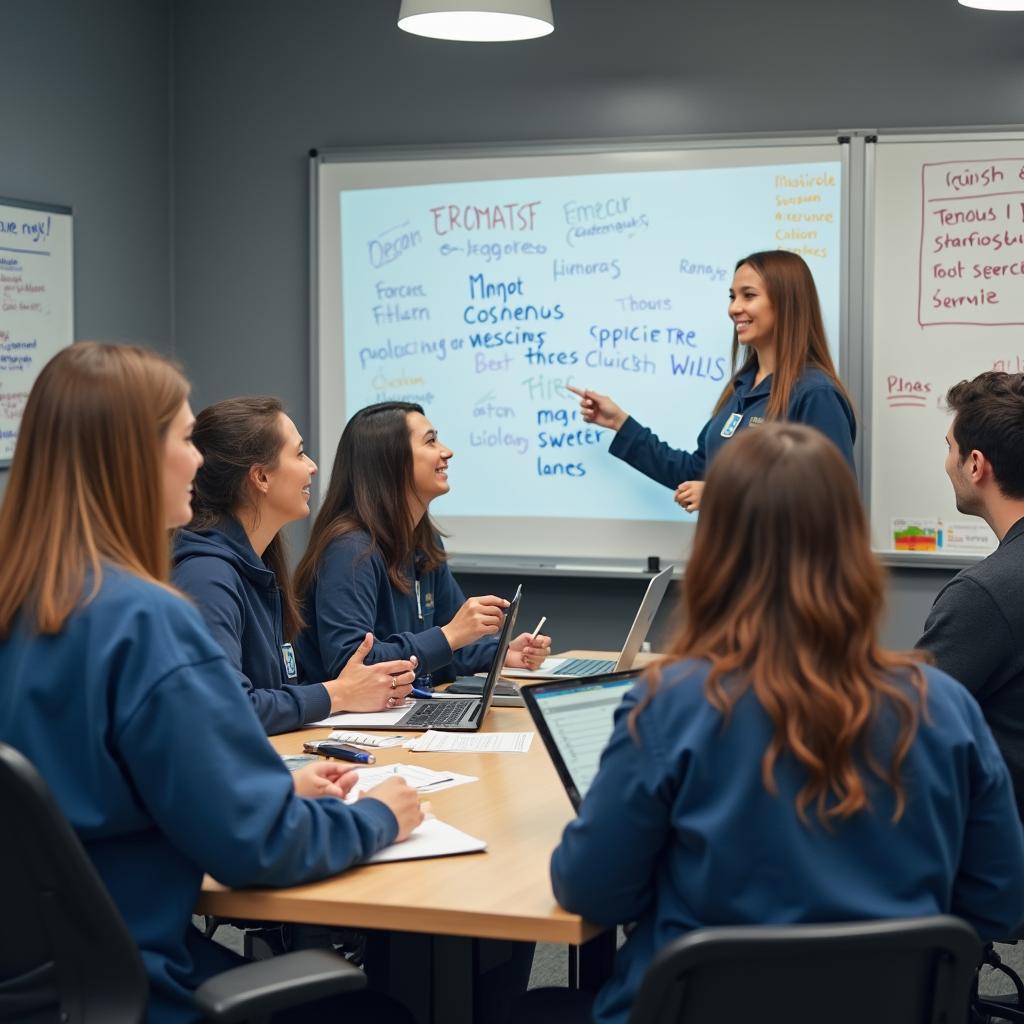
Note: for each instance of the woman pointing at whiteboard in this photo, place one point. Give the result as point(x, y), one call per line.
point(786, 374)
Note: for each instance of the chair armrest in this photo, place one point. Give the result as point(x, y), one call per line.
point(266, 986)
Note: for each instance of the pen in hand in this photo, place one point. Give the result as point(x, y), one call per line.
point(540, 625)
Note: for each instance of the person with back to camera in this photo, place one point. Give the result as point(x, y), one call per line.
point(781, 766)
point(786, 374)
point(231, 560)
point(375, 561)
point(112, 686)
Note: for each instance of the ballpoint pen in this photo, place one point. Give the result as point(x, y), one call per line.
point(340, 751)
point(421, 694)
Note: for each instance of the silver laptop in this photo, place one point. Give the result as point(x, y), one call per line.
point(572, 668)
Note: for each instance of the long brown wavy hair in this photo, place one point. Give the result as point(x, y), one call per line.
point(233, 436)
point(371, 480)
point(799, 330)
point(86, 484)
point(782, 596)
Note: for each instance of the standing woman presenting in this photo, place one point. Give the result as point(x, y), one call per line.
point(786, 374)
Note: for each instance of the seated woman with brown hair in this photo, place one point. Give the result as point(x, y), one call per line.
point(783, 766)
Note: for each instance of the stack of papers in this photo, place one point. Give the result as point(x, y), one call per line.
point(366, 739)
point(477, 742)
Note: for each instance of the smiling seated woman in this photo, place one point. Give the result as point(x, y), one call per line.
point(231, 560)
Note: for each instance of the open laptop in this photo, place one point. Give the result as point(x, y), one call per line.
point(464, 714)
point(575, 667)
point(574, 718)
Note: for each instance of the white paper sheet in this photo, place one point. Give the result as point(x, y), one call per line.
point(423, 780)
point(432, 838)
point(477, 742)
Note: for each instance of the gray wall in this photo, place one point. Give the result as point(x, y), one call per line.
point(85, 122)
point(257, 83)
point(184, 126)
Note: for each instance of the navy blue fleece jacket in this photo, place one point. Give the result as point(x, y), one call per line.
point(352, 595)
point(239, 599)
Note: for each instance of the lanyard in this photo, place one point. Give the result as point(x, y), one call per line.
point(419, 606)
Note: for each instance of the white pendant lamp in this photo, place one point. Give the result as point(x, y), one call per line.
point(994, 5)
point(477, 21)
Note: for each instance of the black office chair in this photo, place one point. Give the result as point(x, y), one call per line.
point(65, 953)
point(913, 971)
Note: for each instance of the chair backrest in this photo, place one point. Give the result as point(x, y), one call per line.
point(912, 971)
point(65, 952)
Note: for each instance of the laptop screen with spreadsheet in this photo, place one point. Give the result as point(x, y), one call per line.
point(575, 719)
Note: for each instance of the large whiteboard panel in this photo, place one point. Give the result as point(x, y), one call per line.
point(481, 286)
point(947, 296)
point(36, 303)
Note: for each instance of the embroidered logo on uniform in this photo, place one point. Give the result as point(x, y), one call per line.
point(291, 668)
point(755, 421)
point(731, 424)
point(428, 600)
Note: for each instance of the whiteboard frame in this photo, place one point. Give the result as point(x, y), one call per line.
point(64, 211)
point(851, 298)
point(925, 136)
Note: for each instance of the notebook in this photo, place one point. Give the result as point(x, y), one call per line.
point(574, 718)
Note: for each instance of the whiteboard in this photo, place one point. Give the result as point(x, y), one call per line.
point(946, 302)
point(36, 303)
point(480, 285)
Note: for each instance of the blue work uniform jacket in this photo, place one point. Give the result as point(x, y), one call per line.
point(240, 602)
point(677, 831)
point(132, 716)
point(814, 402)
point(352, 595)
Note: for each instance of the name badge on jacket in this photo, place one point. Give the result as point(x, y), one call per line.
point(291, 668)
point(731, 424)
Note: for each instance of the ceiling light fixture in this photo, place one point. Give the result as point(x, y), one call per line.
point(477, 21)
point(994, 5)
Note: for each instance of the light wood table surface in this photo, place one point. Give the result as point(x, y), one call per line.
point(519, 807)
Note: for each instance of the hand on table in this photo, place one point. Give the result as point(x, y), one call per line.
point(324, 778)
point(688, 495)
point(528, 651)
point(361, 687)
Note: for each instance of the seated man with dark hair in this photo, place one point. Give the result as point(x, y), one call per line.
point(975, 629)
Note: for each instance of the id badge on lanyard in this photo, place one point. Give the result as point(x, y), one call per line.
point(732, 424)
point(291, 667)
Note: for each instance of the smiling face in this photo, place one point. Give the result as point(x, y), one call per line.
point(750, 309)
point(180, 463)
point(429, 460)
point(286, 484)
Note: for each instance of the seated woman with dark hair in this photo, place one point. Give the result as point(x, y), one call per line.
point(375, 561)
point(231, 560)
point(782, 766)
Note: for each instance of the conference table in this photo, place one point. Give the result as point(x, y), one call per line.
point(519, 808)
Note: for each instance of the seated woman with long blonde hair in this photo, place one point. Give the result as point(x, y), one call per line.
point(783, 766)
point(111, 684)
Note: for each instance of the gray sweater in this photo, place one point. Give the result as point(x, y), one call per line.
point(975, 631)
